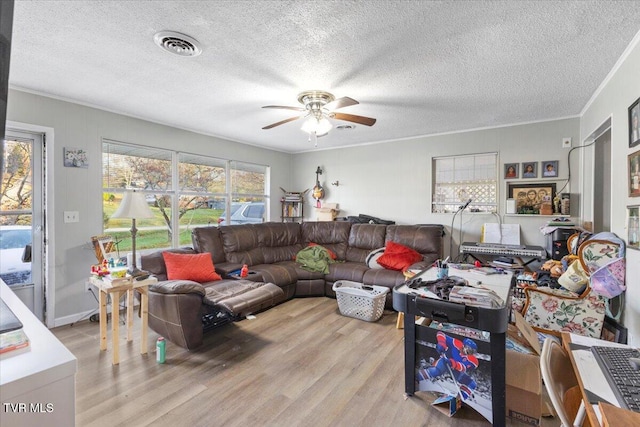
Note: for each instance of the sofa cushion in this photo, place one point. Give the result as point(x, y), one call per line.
point(398, 257)
point(279, 241)
point(333, 235)
point(208, 239)
point(425, 239)
point(242, 297)
point(195, 267)
point(364, 238)
point(154, 262)
point(240, 244)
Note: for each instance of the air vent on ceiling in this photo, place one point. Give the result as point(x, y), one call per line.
point(177, 43)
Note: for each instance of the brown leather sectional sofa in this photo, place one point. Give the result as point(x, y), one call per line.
point(182, 310)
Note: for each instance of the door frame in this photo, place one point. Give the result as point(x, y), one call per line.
point(48, 212)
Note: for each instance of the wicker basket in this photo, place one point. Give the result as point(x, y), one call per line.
point(360, 301)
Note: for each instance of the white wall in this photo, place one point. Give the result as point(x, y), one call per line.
point(617, 93)
point(393, 180)
point(75, 189)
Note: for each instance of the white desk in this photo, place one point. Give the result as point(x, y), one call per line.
point(41, 379)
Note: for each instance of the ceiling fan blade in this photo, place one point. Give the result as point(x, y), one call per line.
point(282, 107)
point(367, 121)
point(290, 119)
point(345, 101)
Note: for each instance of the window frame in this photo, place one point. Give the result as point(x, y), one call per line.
point(174, 191)
point(482, 180)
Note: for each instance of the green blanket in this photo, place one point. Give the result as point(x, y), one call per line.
point(314, 258)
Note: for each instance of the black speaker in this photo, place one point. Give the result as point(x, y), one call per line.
point(558, 242)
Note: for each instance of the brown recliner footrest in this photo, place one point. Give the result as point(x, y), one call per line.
point(242, 297)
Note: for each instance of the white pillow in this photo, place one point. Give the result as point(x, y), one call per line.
point(372, 258)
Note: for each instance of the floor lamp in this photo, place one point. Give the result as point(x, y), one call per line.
point(133, 206)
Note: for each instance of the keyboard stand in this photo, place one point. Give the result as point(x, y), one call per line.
point(519, 261)
point(480, 253)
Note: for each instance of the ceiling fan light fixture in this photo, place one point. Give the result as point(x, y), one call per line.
point(320, 126)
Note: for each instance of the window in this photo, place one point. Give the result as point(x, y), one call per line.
point(195, 195)
point(248, 185)
point(457, 179)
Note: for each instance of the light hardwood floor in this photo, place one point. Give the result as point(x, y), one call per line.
point(298, 364)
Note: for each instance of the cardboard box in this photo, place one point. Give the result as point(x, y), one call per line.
point(524, 398)
point(327, 213)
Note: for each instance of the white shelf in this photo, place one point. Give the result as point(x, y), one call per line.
point(45, 374)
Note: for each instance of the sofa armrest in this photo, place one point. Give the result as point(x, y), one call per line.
point(177, 316)
point(226, 268)
point(178, 287)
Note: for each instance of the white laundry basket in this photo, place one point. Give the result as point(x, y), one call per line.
point(360, 301)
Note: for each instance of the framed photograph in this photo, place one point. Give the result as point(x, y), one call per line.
point(634, 123)
point(550, 168)
point(530, 169)
point(633, 227)
point(530, 197)
point(511, 170)
point(75, 158)
point(634, 174)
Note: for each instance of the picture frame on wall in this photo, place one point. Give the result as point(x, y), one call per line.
point(633, 227)
point(530, 169)
point(530, 197)
point(634, 124)
point(549, 168)
point(75, 158)
point(634, 174)
point(511, 170)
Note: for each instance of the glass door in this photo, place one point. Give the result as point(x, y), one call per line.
point(21, 218)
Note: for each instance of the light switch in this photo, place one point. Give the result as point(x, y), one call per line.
point(71, 216)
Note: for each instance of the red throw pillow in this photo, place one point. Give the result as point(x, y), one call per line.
point(398, 257)
point(196, 267)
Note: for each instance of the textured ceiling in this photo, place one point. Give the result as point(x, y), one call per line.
point(419, 67)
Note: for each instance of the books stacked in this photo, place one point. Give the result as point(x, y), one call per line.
point(561, 222)
point(478, 297)
point(13, 340)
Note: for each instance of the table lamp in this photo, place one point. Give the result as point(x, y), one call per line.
point(134, 206)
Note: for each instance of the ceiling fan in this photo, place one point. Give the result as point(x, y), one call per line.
point(318, 107)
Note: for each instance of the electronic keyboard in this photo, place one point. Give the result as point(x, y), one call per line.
point(502, 249)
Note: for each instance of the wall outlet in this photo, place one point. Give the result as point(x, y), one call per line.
point(71, 216)
point(566, 142)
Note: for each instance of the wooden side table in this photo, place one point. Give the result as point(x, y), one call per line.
point(117, 288)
